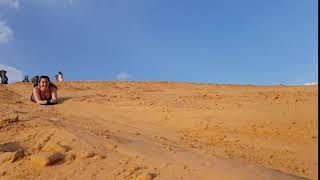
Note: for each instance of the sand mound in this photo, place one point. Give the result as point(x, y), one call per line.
point(160, 130)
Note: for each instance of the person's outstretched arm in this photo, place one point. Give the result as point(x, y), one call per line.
point(54, 95)
point(37, 98)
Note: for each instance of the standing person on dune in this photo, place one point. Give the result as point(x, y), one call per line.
point(3, 76)
point(44, 92)
point(60, 77)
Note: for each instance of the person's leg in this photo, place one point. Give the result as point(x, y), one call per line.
point(5, 79)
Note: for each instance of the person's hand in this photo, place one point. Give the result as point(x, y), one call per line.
point(42, 102)
point(53, 101)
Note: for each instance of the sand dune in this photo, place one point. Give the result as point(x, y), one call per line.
point(160, 130)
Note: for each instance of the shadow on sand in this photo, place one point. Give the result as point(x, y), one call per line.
point(61, 100)
point(9, 147)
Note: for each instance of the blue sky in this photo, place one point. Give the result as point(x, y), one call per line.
point(210, 41)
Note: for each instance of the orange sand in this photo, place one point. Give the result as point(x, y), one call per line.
point(120, 130)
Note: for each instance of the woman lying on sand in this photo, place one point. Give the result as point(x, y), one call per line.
point(44, 92)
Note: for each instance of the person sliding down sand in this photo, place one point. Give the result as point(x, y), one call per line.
point(44, 92)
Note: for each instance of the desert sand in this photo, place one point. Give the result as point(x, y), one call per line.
point(160, 130)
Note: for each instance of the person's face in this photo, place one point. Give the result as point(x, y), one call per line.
point(44, 83)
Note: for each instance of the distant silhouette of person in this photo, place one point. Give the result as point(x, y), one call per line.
point(44, 92)
point(26, 79)
point(60, 77)
point(4, 78)
point(35, 80)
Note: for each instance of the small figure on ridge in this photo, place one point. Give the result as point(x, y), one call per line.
point(26, 79)
point(4, 78)
point(60, 77)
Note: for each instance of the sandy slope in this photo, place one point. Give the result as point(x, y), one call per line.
point(169, 130)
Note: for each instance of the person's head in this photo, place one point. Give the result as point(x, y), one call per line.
point(3, 72)
point(44, 82)
point(60, 73)
point(35, 79)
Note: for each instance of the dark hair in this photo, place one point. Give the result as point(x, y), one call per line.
point(60, 73)
point(3, 71)
point(45, 77)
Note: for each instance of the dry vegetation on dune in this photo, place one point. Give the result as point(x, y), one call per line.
point(160, 130)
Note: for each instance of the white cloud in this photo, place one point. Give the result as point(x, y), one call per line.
point(311, 83)
point(13, 74)
point(123, 76)
point(6, 33)
point(10, 3)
